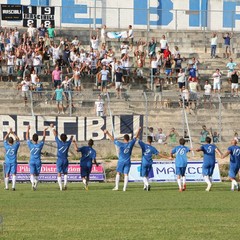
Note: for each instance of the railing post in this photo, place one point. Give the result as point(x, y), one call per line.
point(70, 102)
point(220, 117)
point(119, 18)
point(31, 103)
point(95, 14)
point(146, 117)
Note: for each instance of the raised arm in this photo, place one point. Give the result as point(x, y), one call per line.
point(13, 133)
point(44, 133)
point(75, 145)
point(27, 133)
point(7, 135)
point(109, 135)
point(53, 130)
point(138, 132)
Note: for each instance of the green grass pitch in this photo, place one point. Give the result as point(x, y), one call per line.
point(100, 213)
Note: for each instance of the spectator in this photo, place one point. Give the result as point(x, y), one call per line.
point(59, 94)
point(215, 136)
point(75, 41)
point(77, 78)
point(163, 43)
point(68, 90)
point(25, 87)
point(234, 83)
point(31, 32)
point(231, 66)
point(176, 52)
point(151, 133)
point(104, 78)
point(158, 91)
point(152, 48)
point(214, 45)
point(33, 77)
point(173, 134)
point(203, 134)
point(119, 82)
point(124, 48)
point(94, 41)
point(184, 98)
point(160, 137)
point(227, 42)
point(56, 77)
point(217, 81)
point(192, 73)
point(154, 66)
point(42, 31)
point(178, 61)
point(130, 35)
point(193, 89)
point(100, 107)
point(10, 63)
point(37, 62)
point(51, 32)
point(207, 94)
point(181, 78)
point(38, 87)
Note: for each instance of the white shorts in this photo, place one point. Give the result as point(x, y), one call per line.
point(77, 82)
point(234, 86)
point(118, 85)
point(216, 85)
point(229, 74)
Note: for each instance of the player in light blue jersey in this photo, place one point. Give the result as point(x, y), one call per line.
point(35, 148)
point(124, 158)
point(88, 155)
point(146, 166)
point(11, 149)
point(62, 156)
point(209, 160)
point(180, 153)
point(234, 152)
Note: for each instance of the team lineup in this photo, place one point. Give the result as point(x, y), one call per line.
point(88, 156)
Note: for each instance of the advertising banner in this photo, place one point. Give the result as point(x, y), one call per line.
point(164, 171)
point(49, 173)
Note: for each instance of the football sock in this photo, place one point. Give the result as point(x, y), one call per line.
point(36, 181)
point(207, 180)
point(210, 178)
point(117, 180)
point(84, 181)
point(32, 179)
point(145, 181)
point(179, 183)
point(234, 182)
point(6, 182)
point(65, 180)
point(184, 180)
point(125, 182)
point(60, 182)
point(13, 181)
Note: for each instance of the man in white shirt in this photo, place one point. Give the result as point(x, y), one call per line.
point(31, 32)
point(104, 78)
point(214, 45)
point(99, 107)
point(10, 63)
point(163, 43)
point(130, 34)
point(181, 79)
point(25, 86)
point(160, 137)
point(207, 93)
point(216, 81)
point(37, 62)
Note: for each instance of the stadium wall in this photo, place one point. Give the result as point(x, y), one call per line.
point(142, 14)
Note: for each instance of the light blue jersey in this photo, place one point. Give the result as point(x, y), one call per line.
point(209, 156)
point(88, 154)
point(11, 151)
point(125, 150)
point(147, 152)
point(234, 155)
point(35, 150)
point(63, 147)
point(181, 155)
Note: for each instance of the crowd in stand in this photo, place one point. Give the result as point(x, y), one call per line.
point(37, 52)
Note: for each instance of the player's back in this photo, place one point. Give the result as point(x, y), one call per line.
point(125, 150)
point(88, 154)
point(35, 150)
point(63, 147)
point(234, 155)
point(209, 153)
point(181, 155)
point(147, 152)
point(11, 151)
